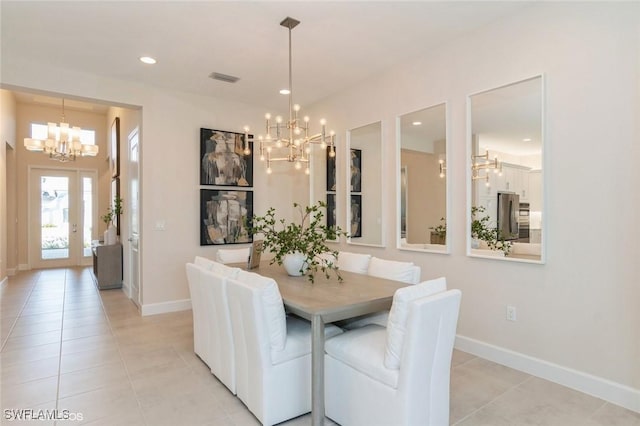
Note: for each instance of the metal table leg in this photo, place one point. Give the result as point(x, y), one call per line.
point(317, 370)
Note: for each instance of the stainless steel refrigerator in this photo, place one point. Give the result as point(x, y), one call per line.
point(508, 210)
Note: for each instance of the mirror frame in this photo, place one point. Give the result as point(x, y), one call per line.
point(347, 198)
point(469, 151)
point(447, 246)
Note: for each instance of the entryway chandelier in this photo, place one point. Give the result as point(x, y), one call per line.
point(62, 143)
point(290, 140)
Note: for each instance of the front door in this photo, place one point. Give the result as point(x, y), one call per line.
point(63, 211)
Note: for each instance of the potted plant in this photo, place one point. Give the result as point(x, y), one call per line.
point(108, 218)
point(439, 233)
point(300, 247)
point(481, 231)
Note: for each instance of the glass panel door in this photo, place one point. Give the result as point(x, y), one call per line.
point(54, 217)
point(63, 207)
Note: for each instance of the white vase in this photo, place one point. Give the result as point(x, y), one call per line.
point(110, 235)
point(294, 263)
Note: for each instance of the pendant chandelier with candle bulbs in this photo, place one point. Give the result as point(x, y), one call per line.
point(62, 143)
point(290, 140)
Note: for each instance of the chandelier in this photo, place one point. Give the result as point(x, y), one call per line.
point(480, 166)
point(289, 140)
point(62, 143)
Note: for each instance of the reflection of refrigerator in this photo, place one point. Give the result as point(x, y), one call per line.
point(508, 211)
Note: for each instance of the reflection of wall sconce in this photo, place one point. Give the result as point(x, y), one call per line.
point(443, 168)
point(481, 163)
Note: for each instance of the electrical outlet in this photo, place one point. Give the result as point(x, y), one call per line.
point(511, 313)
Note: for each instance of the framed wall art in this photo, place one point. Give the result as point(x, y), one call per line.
point(356, 170)
point(356, 216)
point(331, 210)
point(225, 216)
point(223, 159)
point(114, 153)
point(331, 171)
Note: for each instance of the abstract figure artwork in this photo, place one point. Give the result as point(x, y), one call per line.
point(224, 216)
point(224, 161)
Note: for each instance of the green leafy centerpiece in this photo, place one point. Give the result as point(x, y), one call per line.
point(300, 247)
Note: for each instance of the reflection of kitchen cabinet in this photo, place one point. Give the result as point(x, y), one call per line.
point(535, 190)
point(514, 178)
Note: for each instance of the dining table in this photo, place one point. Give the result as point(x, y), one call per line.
point(324, 301)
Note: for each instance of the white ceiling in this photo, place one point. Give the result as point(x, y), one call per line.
point(337, 44)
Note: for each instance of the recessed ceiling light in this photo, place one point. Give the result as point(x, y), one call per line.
point(526, 140)
point(417, 123)
point(285, 91)
point(147, 60)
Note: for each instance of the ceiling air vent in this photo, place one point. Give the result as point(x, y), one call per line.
point(223, 77)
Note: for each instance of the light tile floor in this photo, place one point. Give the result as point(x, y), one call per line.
point(66, 345)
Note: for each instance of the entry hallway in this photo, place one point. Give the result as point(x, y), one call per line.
point(65, 345)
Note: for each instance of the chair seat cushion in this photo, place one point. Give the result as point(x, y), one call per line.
point(379, 318)
point(298, 341)
point(363, 350)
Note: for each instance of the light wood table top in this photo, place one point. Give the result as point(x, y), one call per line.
point(356, 295)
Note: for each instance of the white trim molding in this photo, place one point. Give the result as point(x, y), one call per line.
point(166, 307)
point(4, 282)
point(615, 393)
point(23, 267)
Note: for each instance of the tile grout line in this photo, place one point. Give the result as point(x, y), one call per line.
point(64, 297)
point(15, 320)
point(126, 369)
point(490, 402)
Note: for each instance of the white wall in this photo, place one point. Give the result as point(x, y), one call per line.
point(580, 309)
point(7, 147)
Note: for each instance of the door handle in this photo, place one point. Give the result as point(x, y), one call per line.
point(74, 228)
point(130, 239)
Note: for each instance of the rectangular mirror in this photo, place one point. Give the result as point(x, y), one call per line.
point(505, 169)
point(364, 183)
point(422, 178)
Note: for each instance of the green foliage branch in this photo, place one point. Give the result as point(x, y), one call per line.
point(308, 236)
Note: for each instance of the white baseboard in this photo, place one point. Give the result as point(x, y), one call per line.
point(616, 393)
point(11, 272)
point(4, 282)
point(165, 307)
point(23, 267)
point(126, 289)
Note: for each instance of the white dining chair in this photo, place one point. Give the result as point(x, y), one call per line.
point(405, 272)
point(353, 262)
point(272, 350)
point(198, 309)
point(212, 338)
point(240, 255)
point(397, 375)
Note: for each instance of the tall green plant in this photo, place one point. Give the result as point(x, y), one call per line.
point(308, 237)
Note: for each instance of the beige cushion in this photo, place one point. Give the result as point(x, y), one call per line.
point(363, 350)
point(397, 325)
point(392, 270)
point(353, 262)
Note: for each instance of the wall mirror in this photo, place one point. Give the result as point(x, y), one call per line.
point(364, 185)
point(422, 177)
point(505, 169)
